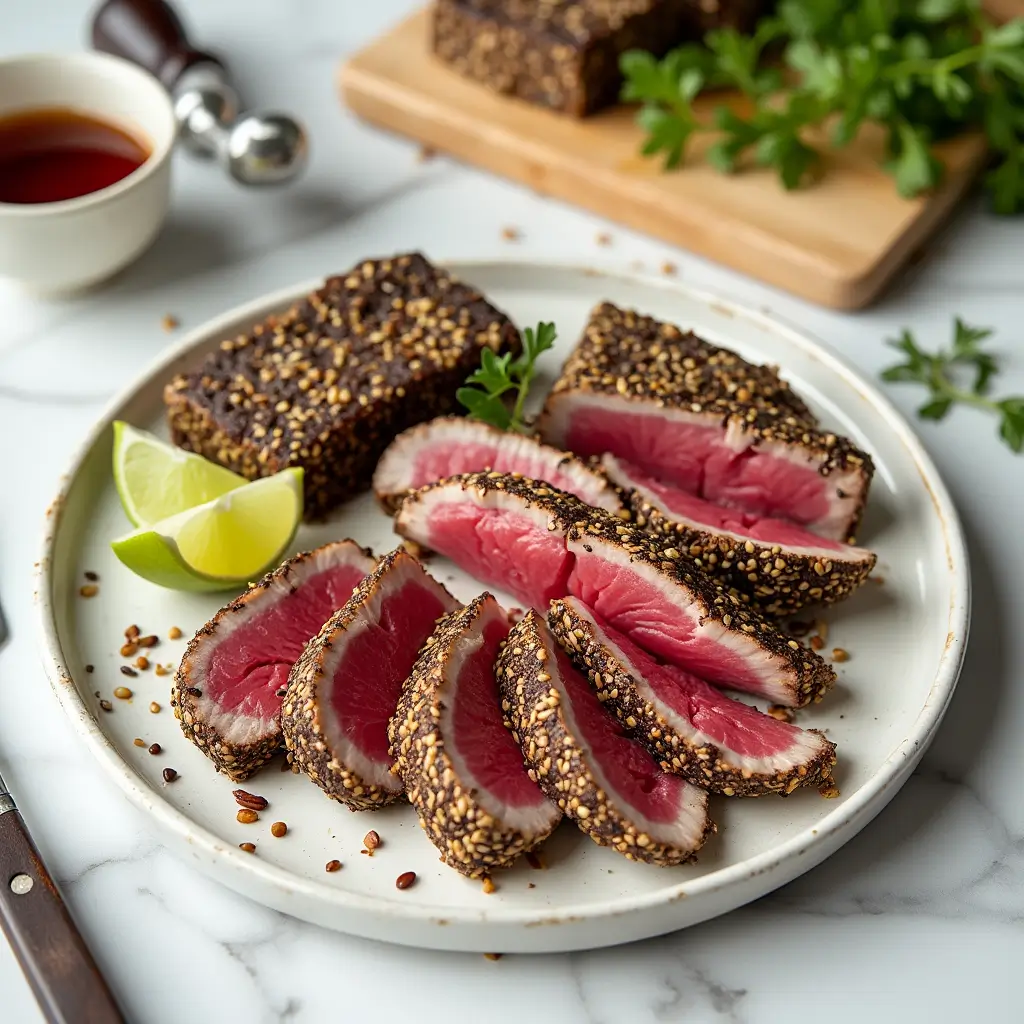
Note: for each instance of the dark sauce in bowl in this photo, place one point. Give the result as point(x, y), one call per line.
point(52, 154)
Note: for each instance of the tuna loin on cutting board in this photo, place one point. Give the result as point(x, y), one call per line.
point(462, 769)
point(703, 419)
point(539, 544)
point(606, 782)
point(227, 691)
point(693, 729)
point(345, 687)
point(450, 446)
point(781, 566)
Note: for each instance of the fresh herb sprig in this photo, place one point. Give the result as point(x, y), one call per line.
point(488, 389)
point(938, 373)
point(922, 69)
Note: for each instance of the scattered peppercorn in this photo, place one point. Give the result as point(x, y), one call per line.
point(142, 662)
point(174, 633)
point(405, 880)
point(247, 816)
point(332, 865)
point(248, 847)
point(155, 748)
point(139, 742)
point(89, 590)
point(90, 669)
point(154, 708)
point(278, 829)
point(250, 800)
point(122, 693)
point(169, 774)
point(91, 576)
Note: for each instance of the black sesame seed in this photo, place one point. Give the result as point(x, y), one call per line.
point(127, 670)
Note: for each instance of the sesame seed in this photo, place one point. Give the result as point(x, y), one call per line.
point(122, 693)
point(89, 590)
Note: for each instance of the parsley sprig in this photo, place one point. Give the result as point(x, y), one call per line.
point(488, 388)
point(922, 69)
point(938, 372)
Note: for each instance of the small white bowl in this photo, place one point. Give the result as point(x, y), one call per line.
point(74, 243)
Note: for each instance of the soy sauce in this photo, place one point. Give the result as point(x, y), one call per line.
point(51, 154)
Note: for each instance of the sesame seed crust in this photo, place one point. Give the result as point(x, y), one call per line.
point(237, 761)
point(327, 385)
point(778, 580)
point(804, 674)
point(705, 764)
point(302, 714)
point(555, 758)
point(469, 839)
point(563, 54)
point(638, 359)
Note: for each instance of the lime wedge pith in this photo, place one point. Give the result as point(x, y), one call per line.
point(226, 542)
point(156, 480)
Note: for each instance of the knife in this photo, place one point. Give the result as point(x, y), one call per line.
point(60, 969)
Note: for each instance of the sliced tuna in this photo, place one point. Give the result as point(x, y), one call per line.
point(540, 544)
point(450, 446)
point(705, 420)
point(227, 691)
point(345, 687)
point(780, 565)
point(463, 771)
point(579, 754)
point(693, 729)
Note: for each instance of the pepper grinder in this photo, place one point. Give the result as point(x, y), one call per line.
point(256, 148)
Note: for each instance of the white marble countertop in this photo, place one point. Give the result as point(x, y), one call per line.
point(918, 918)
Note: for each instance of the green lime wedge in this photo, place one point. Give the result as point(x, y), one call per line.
point(156, 480)
point(227, 542)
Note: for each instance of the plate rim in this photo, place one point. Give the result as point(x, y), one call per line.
point(831, 832)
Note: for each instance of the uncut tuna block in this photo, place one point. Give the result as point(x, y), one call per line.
point(328, 385)
point(562, 54)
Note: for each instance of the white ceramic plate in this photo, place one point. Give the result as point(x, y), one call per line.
point(906, 639)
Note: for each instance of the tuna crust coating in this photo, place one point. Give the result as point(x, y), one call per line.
point(305, 731)
point(703, 764)
point(534, 713)
point(327, 385)
point(236, 760)
point(469, 839)
point(779, 580)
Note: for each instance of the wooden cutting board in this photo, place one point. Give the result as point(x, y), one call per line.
point(837, 243)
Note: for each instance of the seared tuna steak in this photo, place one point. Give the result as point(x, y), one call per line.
point(463, 771)
point(692, 729)
point(227, 691)
point(540, 544)
point(781, 566)
point(606, 782)
point(705, 420)
point(345, 687)
point(450, 446)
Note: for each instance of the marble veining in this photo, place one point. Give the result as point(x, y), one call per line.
point(918, 918)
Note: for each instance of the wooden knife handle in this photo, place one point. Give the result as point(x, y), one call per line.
point(148, 33)
point(58, 965)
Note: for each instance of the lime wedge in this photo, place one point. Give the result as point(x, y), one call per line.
point(156, 480)
point(231, 540)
